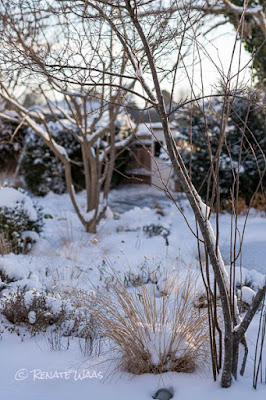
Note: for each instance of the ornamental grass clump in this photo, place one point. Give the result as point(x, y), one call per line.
point(152, 334)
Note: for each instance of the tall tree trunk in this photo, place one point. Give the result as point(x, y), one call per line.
point(111, 161)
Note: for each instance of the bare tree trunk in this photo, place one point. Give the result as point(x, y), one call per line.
point(112, 154)
point(194, 200)
point(240, 330)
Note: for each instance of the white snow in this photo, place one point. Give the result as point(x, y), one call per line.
point(10, 197)
point(138, 171)
point(147, 128)
point(246, 294)
point(204, 208)
point(34, 236)
point(60, 149)
point(160, 339)
point(13, 269)
point(69, 266)
point(32, 317)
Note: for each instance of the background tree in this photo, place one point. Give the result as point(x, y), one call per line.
point(253, 26)
point(254, 33)
point(251, 169)
point(95, 125)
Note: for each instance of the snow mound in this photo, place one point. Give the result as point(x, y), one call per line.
point(11, 198)
point(246, 294)
point(163, 339)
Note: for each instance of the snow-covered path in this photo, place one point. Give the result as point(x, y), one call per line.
point(254, 244)
point(254, 247)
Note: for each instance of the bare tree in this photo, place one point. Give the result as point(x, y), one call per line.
point(253, 32)
point(223, 7)
point(101, 128)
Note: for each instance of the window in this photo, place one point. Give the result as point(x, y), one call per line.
point(157, 148)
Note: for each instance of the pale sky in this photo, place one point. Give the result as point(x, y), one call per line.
point(219, 45)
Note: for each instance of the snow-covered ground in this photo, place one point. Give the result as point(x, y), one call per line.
point(253, 250)
point(66, 259)
point(29, 369)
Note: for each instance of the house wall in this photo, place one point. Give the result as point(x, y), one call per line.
point(140, 158)
point(150, 169)
point(139, 167)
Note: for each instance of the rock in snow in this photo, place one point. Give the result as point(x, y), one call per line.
point(164, 394)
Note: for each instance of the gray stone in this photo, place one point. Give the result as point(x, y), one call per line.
point(164, 394)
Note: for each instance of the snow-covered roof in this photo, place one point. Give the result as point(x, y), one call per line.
point(148, 129)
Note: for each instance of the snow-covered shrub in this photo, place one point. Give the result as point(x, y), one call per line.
point(156, 230)
point(123, 127)
point(207, 126)
point(21, 220)
point(41, 312)
point(42, 171)
point(10, 145)
point(78, 320)
point(150, 334)
point(22, 307)
point(143, 275)
point(138, 275)
point(32, 310)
